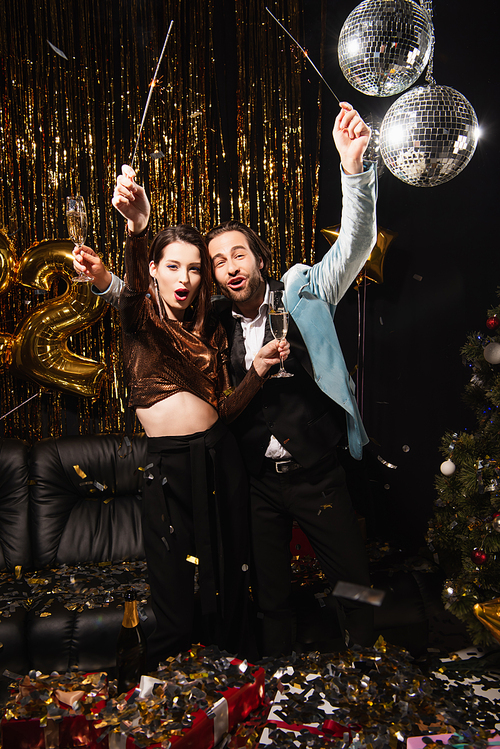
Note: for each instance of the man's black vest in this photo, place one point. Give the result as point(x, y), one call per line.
point(306, 422)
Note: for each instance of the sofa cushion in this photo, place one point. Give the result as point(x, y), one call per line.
point(84, 640)
point(86, 499)
point(14, 526)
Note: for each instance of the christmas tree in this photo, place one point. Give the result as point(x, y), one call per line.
point(464, 533)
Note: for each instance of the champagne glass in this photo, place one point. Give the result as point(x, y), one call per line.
point(76, 221)
point(278, 320)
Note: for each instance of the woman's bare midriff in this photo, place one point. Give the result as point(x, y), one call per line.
point(179, 414)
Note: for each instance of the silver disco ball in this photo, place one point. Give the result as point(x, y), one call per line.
point(428, 135)
point(384, 46)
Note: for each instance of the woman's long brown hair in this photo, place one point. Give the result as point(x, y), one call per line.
point(189, 235)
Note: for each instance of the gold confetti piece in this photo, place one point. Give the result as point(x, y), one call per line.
point(44, 614)
point(324, 507)
point(18, 571)
point(79, 472)
point(193, 560)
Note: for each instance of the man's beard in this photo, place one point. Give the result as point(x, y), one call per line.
point(252, 286)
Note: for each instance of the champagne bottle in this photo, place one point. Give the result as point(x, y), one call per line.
point(131, 647)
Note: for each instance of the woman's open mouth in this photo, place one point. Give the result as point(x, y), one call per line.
point(181, 294)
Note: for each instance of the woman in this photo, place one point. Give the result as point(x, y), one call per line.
point(195, 509)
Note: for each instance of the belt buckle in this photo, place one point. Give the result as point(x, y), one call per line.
point(283, 466)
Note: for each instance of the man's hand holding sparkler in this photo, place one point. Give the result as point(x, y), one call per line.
point(351, 135)
point(131, 201)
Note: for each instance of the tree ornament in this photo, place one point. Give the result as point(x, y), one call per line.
point(447, 468)
point(449, 592)
point(496, 523)
point(492, 323)
point(479, 556)
point(384, 45)
point(428, 135)
point(491, 353)
point(489, 615)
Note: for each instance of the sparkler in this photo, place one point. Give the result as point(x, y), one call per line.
point(151, 87)
point(304, 52)
point(19, 406)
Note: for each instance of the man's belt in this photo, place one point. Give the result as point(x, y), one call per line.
point(285, 466)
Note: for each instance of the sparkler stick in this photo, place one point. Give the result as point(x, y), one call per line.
point(19, 406)
point(151, 86)
point(304, 52)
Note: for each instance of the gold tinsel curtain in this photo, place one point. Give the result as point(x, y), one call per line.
point(224, 136)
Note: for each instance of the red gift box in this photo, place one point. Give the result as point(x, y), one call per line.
point(210, 725)
point(71, 732)
point(75, 731)
point(68, 731)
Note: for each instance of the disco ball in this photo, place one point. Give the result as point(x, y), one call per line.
point(428, 135)
point(384, 45)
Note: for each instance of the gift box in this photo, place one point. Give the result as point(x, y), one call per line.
point(71, 732)
point(417, 742)
point(420, 742)
point(55, 712)
point(211, 724)
point(192, 702)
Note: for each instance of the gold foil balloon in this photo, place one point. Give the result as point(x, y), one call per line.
point(373, 269)
point(40, 347)
point(489, 615)
point(7, 263)
point(7, 269)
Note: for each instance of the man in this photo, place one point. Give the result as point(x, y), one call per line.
point(288, 434)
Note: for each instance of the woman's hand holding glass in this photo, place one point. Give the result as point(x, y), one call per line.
point(88, 262)
point(76, 221)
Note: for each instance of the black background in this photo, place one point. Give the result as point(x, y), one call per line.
point(413, 372)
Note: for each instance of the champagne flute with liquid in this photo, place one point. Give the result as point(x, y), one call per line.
point(278, 321)
point(76, 221)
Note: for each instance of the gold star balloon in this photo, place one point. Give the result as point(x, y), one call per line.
point(489, 614)
point(373, 269)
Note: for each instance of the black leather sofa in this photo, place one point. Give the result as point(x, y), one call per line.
point(71, 546)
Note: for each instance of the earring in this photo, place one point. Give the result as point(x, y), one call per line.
point(158, 299)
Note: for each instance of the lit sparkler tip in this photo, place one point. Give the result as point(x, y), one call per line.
point(304, 52)
point(151, 86)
